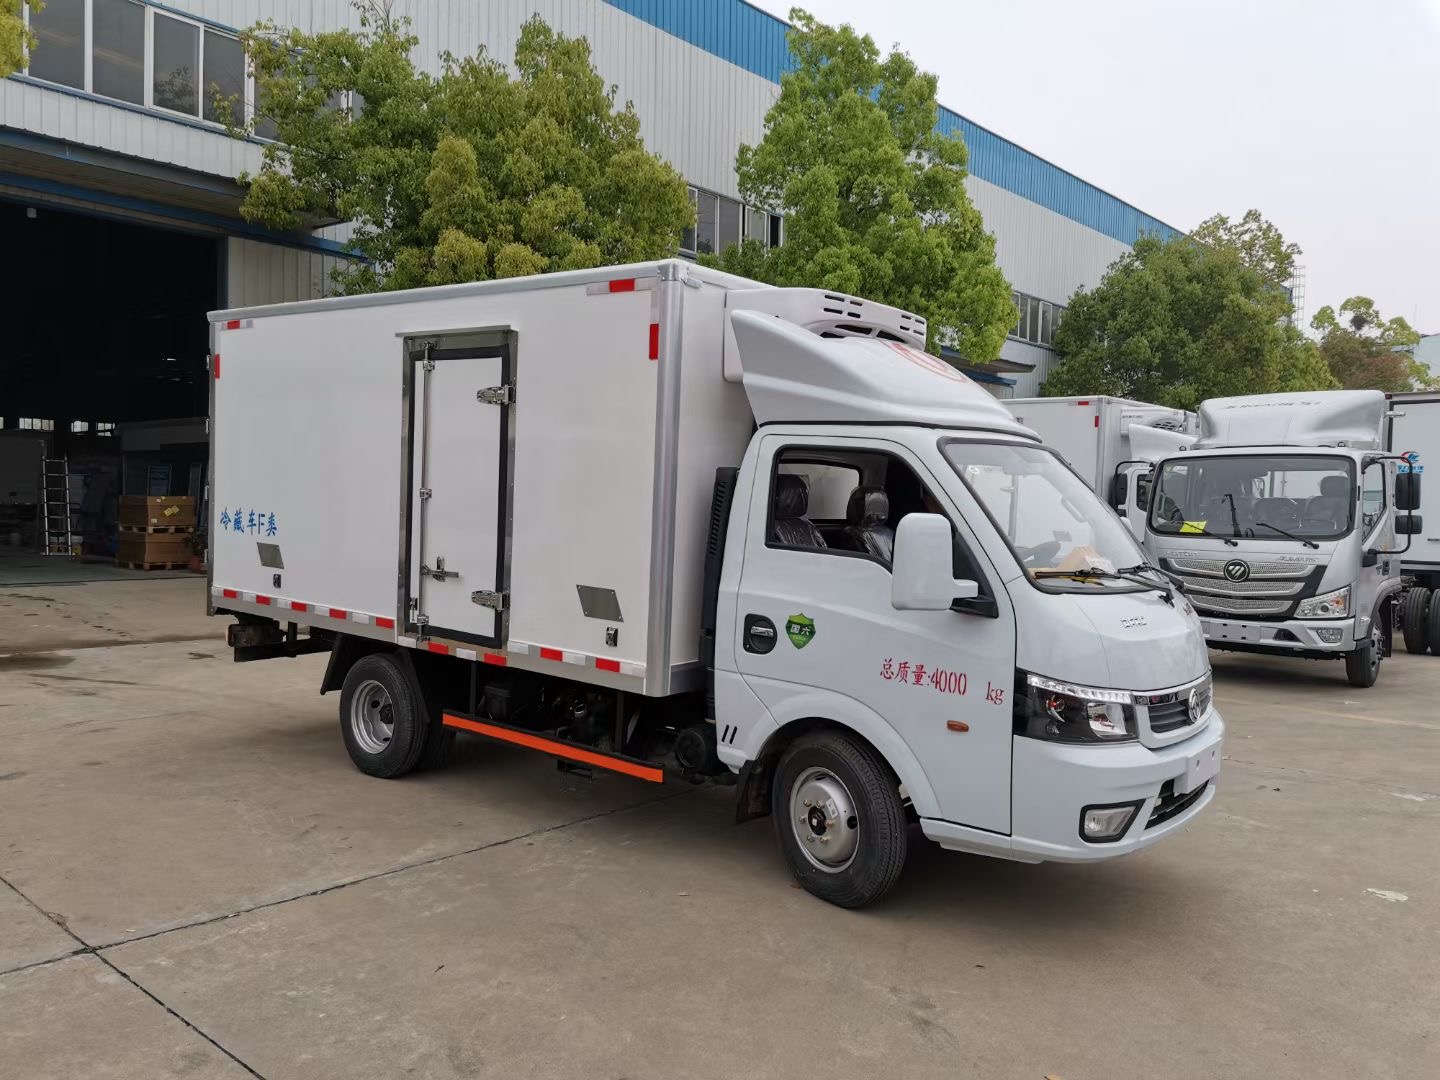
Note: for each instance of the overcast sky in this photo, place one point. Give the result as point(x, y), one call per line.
point(1323, 114)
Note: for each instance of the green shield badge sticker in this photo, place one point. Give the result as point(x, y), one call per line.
point(800, 629)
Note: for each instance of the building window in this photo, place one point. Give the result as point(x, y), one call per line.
point(79, 427)
point(132, 51)
point(721, 222)
point(103, 428)
point(32, 423)
point(118, 57)
point(1038, 320)
point(59, 53)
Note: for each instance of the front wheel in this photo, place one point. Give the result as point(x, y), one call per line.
point(1362, 667)
point(839, 819)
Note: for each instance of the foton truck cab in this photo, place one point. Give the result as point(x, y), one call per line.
point(1281, 525)
point(674, 524)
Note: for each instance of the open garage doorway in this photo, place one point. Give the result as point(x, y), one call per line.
point(103, 368)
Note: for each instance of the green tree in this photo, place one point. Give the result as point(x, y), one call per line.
point(1181, 320)
point(873, 196)
point(468, 175)
point(1366, 351)
point(14, 36)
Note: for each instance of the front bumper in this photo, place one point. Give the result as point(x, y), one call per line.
point(1053, 783)
point(1288, 635)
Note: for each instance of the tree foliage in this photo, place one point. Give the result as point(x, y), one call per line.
point(873, 196)
point(468, 175)
point(14, 37)
point(1181, 320)
point(1366, 351)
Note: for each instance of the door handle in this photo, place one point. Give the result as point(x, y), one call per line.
point(439, 573)
point(759, 634)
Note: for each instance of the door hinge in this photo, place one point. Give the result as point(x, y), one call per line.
point(422, 620)
point(485, 598)
point(425, 493)
point(496, 395)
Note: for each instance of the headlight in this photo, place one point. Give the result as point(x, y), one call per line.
point(1330, 605)
point(1064, 712)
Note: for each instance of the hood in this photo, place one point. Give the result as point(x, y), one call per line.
point(1122, 641)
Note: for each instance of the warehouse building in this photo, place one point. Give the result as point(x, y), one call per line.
point(120, 222)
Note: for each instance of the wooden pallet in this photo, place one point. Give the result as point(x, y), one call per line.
point(157, 529)
point(154, 565)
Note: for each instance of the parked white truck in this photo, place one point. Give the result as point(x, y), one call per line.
point(1112, 442)
point(1413, 436)
point(1281, 523)
point(668, 522)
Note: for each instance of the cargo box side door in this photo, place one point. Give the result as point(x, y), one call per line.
point(460, 439)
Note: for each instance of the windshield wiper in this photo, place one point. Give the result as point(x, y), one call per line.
point(1202, 531)
point(1282, 532)
point(1165, 588)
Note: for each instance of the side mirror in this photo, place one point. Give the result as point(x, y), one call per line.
point(1408, 524)
point(921, 566)
point(1119, 490)
point(1407, 491)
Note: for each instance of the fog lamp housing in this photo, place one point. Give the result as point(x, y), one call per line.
point(1106, 824)
point(1330, 635)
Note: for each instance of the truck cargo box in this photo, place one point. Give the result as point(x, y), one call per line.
point(517, 471)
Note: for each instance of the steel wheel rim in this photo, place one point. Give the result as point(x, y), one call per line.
point(372, 717)
point(823, 820)
point(1376, 645)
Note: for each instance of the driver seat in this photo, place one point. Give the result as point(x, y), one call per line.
point(867, 517)
point(1333, 502)
point(789, 525)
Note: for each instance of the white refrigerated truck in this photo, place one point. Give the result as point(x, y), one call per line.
point(1413, 435)
point(667, 522)
point(1281, 522)
point(1112, 442)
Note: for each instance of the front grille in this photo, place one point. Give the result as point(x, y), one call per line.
point(1221, 587)
point(1238, 605)
point(1271, 568)
point(1165, 718)
point(1170, 805)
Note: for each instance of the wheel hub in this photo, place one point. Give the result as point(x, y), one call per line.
point(372, 717)
point(823, 819)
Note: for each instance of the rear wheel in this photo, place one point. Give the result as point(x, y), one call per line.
point(1362, 667)
point(1415, 619)
point(382, 718)
point(839, 819)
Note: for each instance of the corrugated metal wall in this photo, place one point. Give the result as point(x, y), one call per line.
point(258, 273)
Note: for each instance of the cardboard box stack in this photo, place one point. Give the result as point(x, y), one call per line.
point(155, 530)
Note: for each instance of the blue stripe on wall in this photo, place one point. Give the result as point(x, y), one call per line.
point(755, 40)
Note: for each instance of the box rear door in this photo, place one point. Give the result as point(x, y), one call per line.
point(460, 439)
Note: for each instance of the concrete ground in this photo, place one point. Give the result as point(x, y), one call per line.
point(196, 883)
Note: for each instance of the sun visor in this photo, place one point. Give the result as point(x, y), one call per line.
point(794, 375)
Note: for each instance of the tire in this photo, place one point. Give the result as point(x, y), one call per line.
point(1362, 666)
point(1433, 630)
point(382, 718)
point(439, 749)
point(1415, 619)
point(854, 799)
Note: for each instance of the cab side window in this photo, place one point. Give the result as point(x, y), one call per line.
point(1372, 494)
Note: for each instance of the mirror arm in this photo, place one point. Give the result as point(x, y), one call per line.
point(983, 606)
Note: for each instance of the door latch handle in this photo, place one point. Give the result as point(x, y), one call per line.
point(439, 573)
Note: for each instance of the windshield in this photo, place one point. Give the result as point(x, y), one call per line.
point(1259, 496)
point(1051, 518)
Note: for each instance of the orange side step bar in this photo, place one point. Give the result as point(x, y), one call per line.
point(559, 748)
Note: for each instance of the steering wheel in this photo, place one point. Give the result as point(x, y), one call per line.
point(1040, 552)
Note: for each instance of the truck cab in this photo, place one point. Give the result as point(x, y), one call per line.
point(1281, 523)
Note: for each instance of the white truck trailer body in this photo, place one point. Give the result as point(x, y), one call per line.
point(1414, 435)
point(661, 520)
point(1111, 442)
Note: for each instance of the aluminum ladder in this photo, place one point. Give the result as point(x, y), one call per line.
point(57, 526)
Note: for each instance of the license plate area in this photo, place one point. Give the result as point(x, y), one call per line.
point(1200, 768)
point(1220, 630)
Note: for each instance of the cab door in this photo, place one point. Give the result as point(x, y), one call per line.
point(816, 635)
